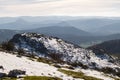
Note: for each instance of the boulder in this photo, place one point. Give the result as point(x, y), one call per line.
point(16, 73)
point(3, 75)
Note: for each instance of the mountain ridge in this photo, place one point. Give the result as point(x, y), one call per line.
point(109, 47)
point(39, 44)
point(70, 30)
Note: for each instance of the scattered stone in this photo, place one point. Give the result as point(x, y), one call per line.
point(16, 73)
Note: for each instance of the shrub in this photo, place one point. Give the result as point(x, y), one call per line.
point(57, 57)
point(20, 51)
point(109, 70)
point(57, 66)
point(9, 46)
point(70, 67)
point(118, 74)
point(75, 64)
point(94, 64)
point(45, 60)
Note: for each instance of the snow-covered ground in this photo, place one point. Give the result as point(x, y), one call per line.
point(33, 68)
point(94, 73)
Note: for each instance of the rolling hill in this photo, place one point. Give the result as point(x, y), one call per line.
point(111, 47)
point(6, 34)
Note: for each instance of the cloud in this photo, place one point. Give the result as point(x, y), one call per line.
point(60, 7)
point(14, 2)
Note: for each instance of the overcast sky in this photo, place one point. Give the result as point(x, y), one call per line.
point(60, 7)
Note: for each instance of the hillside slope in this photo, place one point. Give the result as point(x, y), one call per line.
point(34, 68)
point(113, 28)
point(111, 47)
point(58, 49)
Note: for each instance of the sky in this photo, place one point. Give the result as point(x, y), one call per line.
point(59, 8)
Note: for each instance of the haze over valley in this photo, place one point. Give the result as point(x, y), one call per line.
point(84, 31)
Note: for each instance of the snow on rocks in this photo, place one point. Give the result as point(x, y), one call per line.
point(70, 53)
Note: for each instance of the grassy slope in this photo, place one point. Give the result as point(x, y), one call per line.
point(78, 75)
point(40, 78)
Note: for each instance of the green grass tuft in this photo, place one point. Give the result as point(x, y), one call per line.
point(78, 75)
point(44, 60)
point(41, 78)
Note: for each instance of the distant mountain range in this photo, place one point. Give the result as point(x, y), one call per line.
point(70, 34)
point(78, 30)
point(95, 25)
point(109, 29)
point(61, 30)
point(18, 24)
